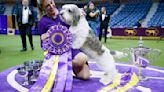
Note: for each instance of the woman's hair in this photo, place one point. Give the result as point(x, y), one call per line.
point(40, 7)
point(40, 4)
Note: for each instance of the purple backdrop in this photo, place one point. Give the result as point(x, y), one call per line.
point(157, 31)
point(3, 24)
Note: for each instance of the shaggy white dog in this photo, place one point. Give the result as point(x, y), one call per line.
point(84, 39)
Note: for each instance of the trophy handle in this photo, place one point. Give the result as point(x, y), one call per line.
point(155, 53)
point(128, 52)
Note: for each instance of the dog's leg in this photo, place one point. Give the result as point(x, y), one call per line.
point(107, 64)
point(118, 54)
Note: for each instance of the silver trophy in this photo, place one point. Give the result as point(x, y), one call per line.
point(30, 71)
point(36, 67)
point(142, 56)
point(24, 74)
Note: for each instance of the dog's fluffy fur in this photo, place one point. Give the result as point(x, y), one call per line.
point(84, 39)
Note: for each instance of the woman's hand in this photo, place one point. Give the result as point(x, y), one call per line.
point(44, 36)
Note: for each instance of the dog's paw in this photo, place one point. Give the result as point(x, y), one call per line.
point(105, 80)
point(120, 55)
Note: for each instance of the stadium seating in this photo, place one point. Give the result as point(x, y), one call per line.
point(131, 14)
point(2, 9)
point(110, 7)
point(14, 9)
point(158, 17)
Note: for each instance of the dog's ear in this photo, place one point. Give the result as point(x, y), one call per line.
point(76, 15)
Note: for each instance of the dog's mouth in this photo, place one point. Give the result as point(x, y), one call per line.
point(66, 21)
point(62, 18)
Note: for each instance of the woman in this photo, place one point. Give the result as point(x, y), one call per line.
point(92, 16)
point(51, 17)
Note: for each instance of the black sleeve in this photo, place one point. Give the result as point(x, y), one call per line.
point(18, 12)
point(108, 18)
point(32, 19)
point(100, 17)
point(87, 13)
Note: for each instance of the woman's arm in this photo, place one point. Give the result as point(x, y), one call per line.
point(93, 14)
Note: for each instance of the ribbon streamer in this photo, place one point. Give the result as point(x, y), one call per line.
point(56, 73)
point(60, 81)
point(51, 78)
point(43, 76)
point(69, 81)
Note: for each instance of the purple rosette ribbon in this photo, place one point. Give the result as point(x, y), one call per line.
point(60, 40)
point(58, 44)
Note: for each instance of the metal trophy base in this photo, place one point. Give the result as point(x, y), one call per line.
point(140, 76)
point(25, 83)
point(141, 57)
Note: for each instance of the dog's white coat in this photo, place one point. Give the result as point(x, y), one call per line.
point(80, 31)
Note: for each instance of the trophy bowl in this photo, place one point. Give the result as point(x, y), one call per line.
point(141, 56)
point(24, 74)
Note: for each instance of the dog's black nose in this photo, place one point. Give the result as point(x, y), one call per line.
point(61, 13)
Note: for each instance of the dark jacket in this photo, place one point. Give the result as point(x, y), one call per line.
point(19, 15)
point(88, 17)
point(104, 23)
